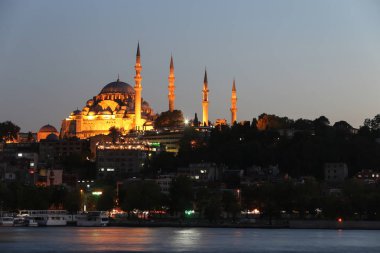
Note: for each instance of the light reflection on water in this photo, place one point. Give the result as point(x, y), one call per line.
point(114, 239)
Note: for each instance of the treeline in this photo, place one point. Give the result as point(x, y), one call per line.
point(283, 200)
point(16, 196)
point(299, 147)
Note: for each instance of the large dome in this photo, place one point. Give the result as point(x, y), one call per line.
point(48, 128)
point(117, 87)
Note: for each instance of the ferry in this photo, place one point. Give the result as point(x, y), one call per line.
point(46, 217)
point(92, 219)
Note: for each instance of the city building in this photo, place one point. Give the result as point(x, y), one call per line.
point(201, 172)
point(258, 173)
point(335, 172)
point(368, 176)
point(52, 150)
point(165, 182)
point(19, 162)
point(122, 160)
point(96, 140)
point(220, 122)
point(167, 140)
point(49, 177)
point(27, 137)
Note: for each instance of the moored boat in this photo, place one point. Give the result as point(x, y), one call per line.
point(6, 221)
point(32, 222)
point(46, 217)
point(20, 221)
point(92, 219)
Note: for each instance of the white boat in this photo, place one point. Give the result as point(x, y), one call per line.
point(46, 217)
point(6, 221)
point(20, 221)
point(92, 219)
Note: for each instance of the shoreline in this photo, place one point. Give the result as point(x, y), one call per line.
point(292, 224)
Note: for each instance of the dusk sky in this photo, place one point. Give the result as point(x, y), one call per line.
point(300, 59)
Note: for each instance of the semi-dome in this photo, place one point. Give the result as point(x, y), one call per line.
point(48, 128)
point(117, 87)
point(105, 112)
point(76, 112)
point(52, 137)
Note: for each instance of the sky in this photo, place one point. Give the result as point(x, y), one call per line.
point(300, 59)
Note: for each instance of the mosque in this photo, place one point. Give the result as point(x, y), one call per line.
point(121, 106)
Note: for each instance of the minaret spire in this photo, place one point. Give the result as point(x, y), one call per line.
point(138, 89)
point(233, 103)
point(138, 50)
point(205, 78)
point(171, 86)
point(205, 92)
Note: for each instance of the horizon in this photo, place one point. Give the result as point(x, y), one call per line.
point(291, 58)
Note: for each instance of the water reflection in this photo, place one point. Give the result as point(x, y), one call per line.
point(185, 238)
point(111, 239)
point(71, 239)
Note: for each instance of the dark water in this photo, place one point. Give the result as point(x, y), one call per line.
point(72, 239)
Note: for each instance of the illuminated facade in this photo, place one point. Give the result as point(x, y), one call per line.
point(205, 101)
point(233, 104)
point(117, 105)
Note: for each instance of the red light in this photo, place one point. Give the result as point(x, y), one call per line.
point(340, 220)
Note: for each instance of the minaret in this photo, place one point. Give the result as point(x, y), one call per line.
point(205, 101)
point(171, 86)
point(138, 89)
point(233, 104)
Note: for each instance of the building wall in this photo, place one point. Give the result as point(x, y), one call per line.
point(335, 172)
point(55, 150)
point(95, 125)
point(119, 163)
point(170, 140)
point(165, 182)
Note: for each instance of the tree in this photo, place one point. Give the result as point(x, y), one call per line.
point(163, 162)
point(142, 195)
point(373, 124)
point(30, 137)
point(106, 200)
point(321, 121)
point(343, 126)
point(72, 201)
point(213, 208)
point(196, 121)
point(169, 119)
point(181, 195)
point(271, 121)
point(230, 204)
point(114, 133)
point(303, 124)
point(9, 131)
